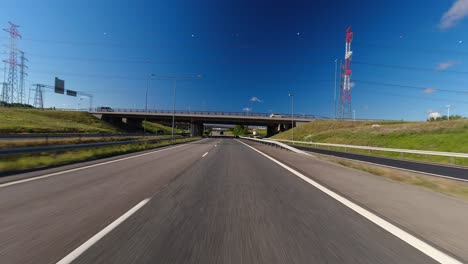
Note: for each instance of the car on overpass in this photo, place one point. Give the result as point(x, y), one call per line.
point(276, 115)
point(104, 109)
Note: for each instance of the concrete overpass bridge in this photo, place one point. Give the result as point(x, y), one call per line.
point(275, 123)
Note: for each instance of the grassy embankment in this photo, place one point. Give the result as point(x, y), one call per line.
point(15, 143)
point(18, 120)
point(47, 159)
point(21, 120)
point(450, 136)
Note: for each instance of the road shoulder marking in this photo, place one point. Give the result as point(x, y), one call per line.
point(94, 239)
point(396, 168)
point(415, 242)
point(86, 167)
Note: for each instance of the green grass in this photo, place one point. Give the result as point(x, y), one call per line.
point(14, 143)
point(451, 136)
point(46, 159)
point(17, 120)
point(154, 127)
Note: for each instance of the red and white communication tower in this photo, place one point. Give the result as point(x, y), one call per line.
point(345, 109)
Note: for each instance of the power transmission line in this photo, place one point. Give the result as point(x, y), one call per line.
point(401, 67)
point(410, 86)
point(413, 97)
point(412, 49)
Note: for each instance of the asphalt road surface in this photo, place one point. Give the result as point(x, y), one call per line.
point(460, 173)
point(211, 201)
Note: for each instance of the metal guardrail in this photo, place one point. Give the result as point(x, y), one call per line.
point(432, 169)
point(410, 151)
point(79, 135)
point(35, 149)
point(276, 144)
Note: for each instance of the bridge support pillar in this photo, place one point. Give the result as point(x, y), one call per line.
point(196, 129)
point(133, 124)
point(115, 121)
point(272, 130)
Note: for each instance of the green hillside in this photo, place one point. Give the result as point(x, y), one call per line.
point(449, 136)
point(18, 120)
point(155, 127)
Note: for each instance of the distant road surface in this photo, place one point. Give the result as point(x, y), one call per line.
point(211, 201)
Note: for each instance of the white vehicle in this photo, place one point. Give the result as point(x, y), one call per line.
point(275, 115)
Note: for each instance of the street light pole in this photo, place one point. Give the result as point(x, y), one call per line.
point(173, 107)
point(448, 112)
point(334, 97)
point(174, 78)
point(146, 99)
point(292, 116)
point(174, 95)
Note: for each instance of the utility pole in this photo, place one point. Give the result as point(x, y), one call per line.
point(4, 86)
point(13, 63)
point(39, 96)
point(23, 67)
point(292, 116)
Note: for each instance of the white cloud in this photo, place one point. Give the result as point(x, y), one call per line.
point(248, 109)
point(255, 99)
point(434, 115)
point(445, 65)
point(455, 14)
point(429, 90)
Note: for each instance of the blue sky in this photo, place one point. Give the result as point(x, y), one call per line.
point(245, 49)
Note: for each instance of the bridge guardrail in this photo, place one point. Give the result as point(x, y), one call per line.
point(214, 113)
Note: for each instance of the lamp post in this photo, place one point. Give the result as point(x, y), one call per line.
point(292, 116)
point(146, 99)
point(448, 112)
point(334, 97)
point(173, 107)
point(147, 88)
point(174, 78)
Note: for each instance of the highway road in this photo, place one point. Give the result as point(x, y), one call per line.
point(453, 172)
point(210, 201)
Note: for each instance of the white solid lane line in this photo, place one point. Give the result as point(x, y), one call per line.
point(205, 154)
point(85, 167)
point(417, 243)
point(90, 242)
